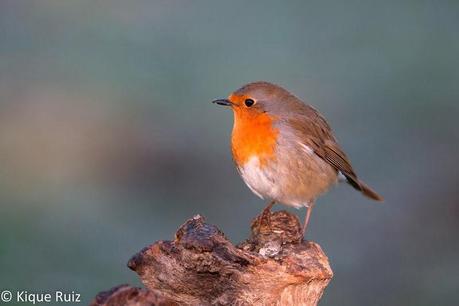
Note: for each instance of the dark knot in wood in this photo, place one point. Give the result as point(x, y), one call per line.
point(273, 233)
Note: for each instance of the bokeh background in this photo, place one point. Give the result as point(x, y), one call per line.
point(108, 139)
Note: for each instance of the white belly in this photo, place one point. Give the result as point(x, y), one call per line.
point(277, 181)
point(259, 179)
point(266, 183)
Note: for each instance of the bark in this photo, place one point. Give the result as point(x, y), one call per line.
point(131, 296)
point(275, 266)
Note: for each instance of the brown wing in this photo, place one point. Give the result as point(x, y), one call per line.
point(316, 133)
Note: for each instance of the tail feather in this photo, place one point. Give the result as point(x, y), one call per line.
point(365, 189)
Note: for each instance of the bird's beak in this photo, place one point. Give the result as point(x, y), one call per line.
point(224, 102)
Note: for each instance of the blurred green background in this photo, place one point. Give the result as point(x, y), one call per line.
point(108, 139)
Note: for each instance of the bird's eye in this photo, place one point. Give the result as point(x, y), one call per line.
point(249, 102)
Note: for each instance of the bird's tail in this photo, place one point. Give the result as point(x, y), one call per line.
point(368, 192)
point(364, 188)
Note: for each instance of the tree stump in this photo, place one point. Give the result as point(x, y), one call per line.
point(275, 266)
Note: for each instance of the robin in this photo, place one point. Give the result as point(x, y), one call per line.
point(284, 149)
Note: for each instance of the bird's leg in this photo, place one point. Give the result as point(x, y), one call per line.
point(306, 218)
point(266, 213)
point(268, 207)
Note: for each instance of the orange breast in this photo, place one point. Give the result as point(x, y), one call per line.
point(253, 135)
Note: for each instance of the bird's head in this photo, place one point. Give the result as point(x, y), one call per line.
point(260, 99)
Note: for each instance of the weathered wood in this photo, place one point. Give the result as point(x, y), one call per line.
point(125, 295)
point(202, 267)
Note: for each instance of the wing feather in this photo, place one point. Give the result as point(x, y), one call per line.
point(315, 132)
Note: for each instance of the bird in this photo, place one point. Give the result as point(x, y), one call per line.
point(284, 149)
